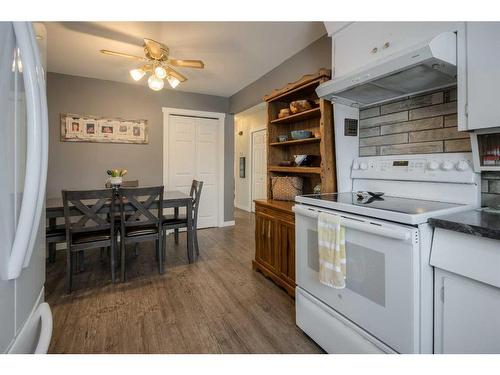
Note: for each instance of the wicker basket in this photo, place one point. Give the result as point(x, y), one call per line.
point(286, 188)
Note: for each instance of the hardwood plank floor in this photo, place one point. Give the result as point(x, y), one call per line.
point(216, 305)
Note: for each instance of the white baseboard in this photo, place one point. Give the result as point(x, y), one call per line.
point(228, 223)
point(244, 208)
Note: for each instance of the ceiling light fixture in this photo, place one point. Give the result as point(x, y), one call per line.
point(160, 72)
point(155, 83)
point(137, 74)
point(157, 62)
point(174, 82)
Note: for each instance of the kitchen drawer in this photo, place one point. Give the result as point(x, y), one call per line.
point(471, 256)
point(332, 331)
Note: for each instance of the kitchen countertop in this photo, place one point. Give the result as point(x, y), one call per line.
point(474, 222)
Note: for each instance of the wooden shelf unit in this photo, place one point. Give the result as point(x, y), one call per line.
point(318, 120)
point(275, 220)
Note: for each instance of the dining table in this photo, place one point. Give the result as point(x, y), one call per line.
point(54, 209)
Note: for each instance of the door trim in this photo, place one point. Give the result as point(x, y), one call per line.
point(250, 164)
point(167, 112)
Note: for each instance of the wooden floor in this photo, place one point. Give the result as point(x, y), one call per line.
point(216, 305)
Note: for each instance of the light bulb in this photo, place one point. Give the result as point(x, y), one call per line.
point(155, 83)
point(160, 72)
point(137, 74)
point(174, 82)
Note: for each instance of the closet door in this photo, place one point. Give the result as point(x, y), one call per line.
point(207, 170)
point(193, 155)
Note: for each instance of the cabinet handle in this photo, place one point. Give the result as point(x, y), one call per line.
point(386, 45)
point(374, 50)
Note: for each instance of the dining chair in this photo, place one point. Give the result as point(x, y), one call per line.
point(176, 222)
point(53, 236)
point(89, 228)
point(138, 223)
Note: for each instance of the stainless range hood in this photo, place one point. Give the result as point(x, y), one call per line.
point(427, 66)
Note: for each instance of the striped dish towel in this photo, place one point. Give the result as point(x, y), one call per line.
point(331, 244)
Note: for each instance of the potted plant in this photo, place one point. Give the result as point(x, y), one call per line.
point(116, 176)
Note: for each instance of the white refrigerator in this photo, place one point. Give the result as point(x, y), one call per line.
point(25, 319)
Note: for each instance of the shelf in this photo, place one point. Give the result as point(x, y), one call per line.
point(305, 115)
point(296, 142)
point(278, 168)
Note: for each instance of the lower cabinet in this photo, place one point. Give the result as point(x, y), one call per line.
point(467, 315)
point(275, 243)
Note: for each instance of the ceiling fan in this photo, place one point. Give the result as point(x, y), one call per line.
point(158, 64)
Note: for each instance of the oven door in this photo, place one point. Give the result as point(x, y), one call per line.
point(381, 294)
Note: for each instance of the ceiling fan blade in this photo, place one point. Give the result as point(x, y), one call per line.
point(197, 64)
point(155, 49)
point(175, 74)
point(120, 54)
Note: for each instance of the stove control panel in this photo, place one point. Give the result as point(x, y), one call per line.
point(433, 167)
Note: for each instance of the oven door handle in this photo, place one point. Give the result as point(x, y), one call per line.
point(362, 226)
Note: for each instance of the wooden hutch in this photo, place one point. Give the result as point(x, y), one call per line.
point(274, 219)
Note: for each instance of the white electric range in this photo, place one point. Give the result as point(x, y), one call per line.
point(387, 305)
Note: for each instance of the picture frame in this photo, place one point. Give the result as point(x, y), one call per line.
point(86, 128)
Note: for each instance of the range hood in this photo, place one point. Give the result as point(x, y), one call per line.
point(427, 66)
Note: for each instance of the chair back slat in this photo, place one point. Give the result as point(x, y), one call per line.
point(195, 193)
point(88, 203)
point(137, 203)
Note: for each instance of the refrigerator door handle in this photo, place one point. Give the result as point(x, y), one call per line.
point(37, 150)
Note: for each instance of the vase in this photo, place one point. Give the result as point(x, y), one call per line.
point(116, 181)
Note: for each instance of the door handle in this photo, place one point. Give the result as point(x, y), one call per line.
point(362, 226)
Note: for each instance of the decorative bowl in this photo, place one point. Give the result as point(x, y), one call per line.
point(303, 160)
point(285, 163)
point(282, 138)
point(301, 134)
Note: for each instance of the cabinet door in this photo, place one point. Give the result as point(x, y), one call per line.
point(266, 251)
point(483, 74)
point(363, 43)
point(286, 236)
point(467, 315)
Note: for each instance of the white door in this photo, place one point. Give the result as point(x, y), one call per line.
point(259, 162)
point(193, 155)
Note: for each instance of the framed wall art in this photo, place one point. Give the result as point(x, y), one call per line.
point(78, 128)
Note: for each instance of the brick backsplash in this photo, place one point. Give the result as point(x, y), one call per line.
point(422, 124)
point(490, 189)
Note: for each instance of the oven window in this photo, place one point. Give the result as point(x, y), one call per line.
point(365, 268)
point(366, 272)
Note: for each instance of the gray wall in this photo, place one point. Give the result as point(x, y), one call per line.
point(315, 56)
point(75, 165)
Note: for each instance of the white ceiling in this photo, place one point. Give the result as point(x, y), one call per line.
point(235, 53)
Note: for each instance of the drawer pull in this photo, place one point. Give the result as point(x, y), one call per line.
point(374, 50)
point(386, 45)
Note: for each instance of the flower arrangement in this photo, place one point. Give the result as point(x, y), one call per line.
point(116, 172)
point(116, 176)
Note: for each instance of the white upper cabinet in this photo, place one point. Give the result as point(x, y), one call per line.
point(362, 43)
point(479, 77)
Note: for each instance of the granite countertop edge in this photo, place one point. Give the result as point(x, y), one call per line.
point(466, 227)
